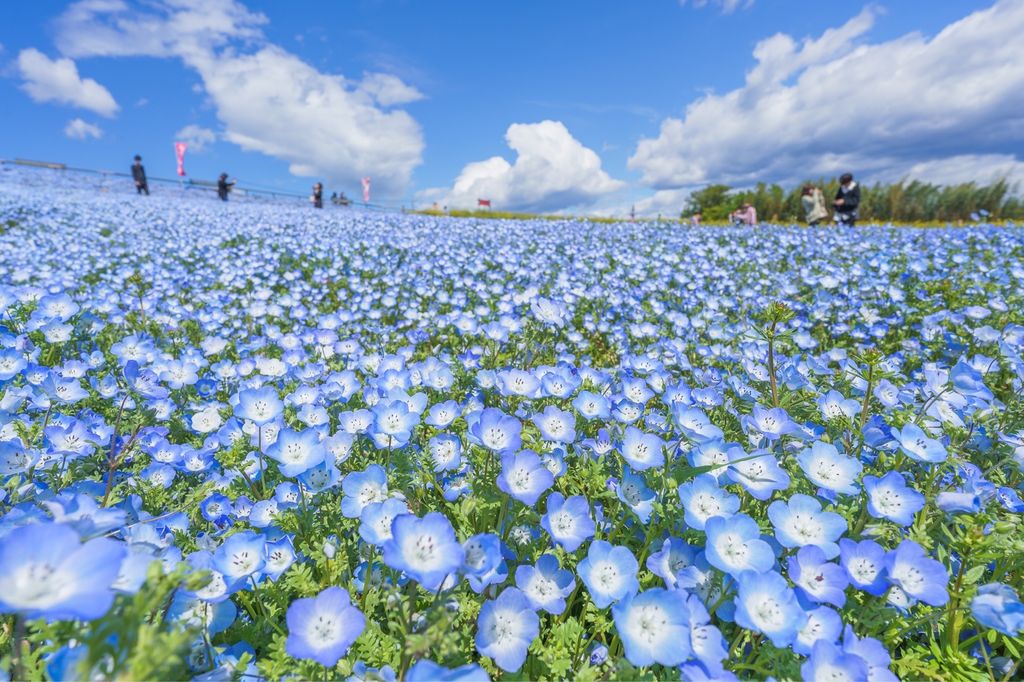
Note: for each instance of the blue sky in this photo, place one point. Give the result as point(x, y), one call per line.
point(568, 105)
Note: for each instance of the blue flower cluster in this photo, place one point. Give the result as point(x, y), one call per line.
point(254, 439)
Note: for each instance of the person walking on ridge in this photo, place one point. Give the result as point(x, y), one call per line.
point(847, 201)
point(223, 186)
point(139, 176)
point(318, 195)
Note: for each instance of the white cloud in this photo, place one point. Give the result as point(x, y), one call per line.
point(77, 129)
point(57, 80)
point(171, 28)
point(196, 137)
point(267, 99)
point(977, 168)
point(275, 103)
point(837, 103)
point(552, 171)
point(388, 90)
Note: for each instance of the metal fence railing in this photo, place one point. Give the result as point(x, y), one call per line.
point(184, 183)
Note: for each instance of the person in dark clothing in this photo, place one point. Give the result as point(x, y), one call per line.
point(139, 175)
point(847, 201)
point(223, 186)
point(318, 196)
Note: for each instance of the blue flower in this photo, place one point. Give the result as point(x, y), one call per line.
point(765, 603)
point(506, 627)
point(772, 423)
point(609, 572)
point(280, 555)
point(654, 627)
point(592, 405)
point(241, 555)
point(495, 430)
point(425, 670)
point(259, 405)
point(705, 639)
point(890, 498)
point(997, 606)
point(674, 556)
point(694, 424)
point(296, 452)
point(864, 562)
point(524, 476)
point(424, 549)
point(361, 488)
point(958, 501)
point(801, 522)
point(919, 576)
point(703, 499)
point(555, 425)
point(633, 492)
point(322, 628)
point(918, 446)
point(642, 450)
point(546, 585)
point(568, 521)
point(441, 415)
point(376, 519)
point(872, 652)
point(816, 578)
point(834, 406)
point(829, 662)
point(47, 572)
point(481, 554)
point(734, 545)
point(759, 473)
point(393, 423)
point(363, 673)
point(823, 623)
point(826, 468)
point(216, 509)
point(445, 451)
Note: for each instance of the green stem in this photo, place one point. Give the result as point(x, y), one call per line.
point(867, 397)
point(771, 366)
point(406, 654)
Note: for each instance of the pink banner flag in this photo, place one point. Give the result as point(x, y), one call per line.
point(366, 190)
point(179, 153)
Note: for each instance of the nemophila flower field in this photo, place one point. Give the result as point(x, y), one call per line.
point(268, 442)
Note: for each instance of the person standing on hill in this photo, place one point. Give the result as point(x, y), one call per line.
point(847, 201)
point(139, 176)
point(813, 201)
point(223, 186)
point(318, 196)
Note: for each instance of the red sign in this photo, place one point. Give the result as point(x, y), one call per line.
point(483, 202)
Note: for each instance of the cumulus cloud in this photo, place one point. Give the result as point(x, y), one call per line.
point(552, 171)
point(196, 137)
point(268, 100)
point(57, 80)
point(833, 103)
point(77, 129)
point(978, 168)
point(388, 90)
